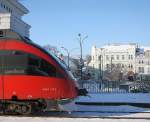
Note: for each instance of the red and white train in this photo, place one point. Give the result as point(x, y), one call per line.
point(30, 76)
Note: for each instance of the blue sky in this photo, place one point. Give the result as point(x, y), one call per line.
point(58, 22)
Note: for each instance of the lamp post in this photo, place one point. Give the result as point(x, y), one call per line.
point(81, 51)
point(68, 55)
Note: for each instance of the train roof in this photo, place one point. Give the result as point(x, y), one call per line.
point(9, 34)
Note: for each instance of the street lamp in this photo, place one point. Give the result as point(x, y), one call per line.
point(68, 54)
point(81, 51)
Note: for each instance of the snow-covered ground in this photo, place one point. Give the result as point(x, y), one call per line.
point(121, 108)
point(97, 111)
point(117, 97)
point(30, 119)
point(112, 98)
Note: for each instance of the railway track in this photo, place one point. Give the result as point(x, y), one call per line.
point(87, 114)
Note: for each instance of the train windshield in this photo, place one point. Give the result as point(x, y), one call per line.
point(63, 64)
point(59, 61)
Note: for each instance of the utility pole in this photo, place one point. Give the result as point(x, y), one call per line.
point(81, 52)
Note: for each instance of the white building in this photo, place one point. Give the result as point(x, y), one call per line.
point(124, 55)
point(143, 62)
point(11, 13)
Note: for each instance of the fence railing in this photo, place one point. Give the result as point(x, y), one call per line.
point(116, 86)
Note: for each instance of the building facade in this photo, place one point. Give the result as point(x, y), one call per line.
point(11, 13)
point(125, 56)
point(143, 63)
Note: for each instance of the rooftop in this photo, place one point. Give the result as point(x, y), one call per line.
point(19, 6)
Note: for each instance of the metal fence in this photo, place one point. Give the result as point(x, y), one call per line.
point(116, 86)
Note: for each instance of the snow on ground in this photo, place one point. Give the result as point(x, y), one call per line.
point(117, 97)
point(98, 111)
point(37, 119)
point(122, 108)
point(111, 97)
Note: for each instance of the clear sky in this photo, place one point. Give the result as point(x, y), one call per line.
point(58, 22)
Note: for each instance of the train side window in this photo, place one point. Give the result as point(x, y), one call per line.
point(34, 61)
point(48, 68)
point(1, 34)
point(17, 62)
point(41, 67)
point(13, 64)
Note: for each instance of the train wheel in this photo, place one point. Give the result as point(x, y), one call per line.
point(26, 109)
point(17, 109)
point(11, 107)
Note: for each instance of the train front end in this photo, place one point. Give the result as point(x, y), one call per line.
point(31, 78)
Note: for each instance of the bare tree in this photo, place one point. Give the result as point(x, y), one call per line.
point(114, 72)
point(88, 59)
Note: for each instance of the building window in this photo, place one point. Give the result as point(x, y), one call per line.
point(118, 65)
point(139, 62)
point(123, 57)
point(131, 66)
point(117, 57)
point(148, 69)
point(131, 57)
point(141, 69)
point(107, 66)
point(107, 57)
point(100, 58)
point(112, 57)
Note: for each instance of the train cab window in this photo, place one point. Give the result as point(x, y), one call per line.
point(41, 67)
point(33, 61)
point(48, 68)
